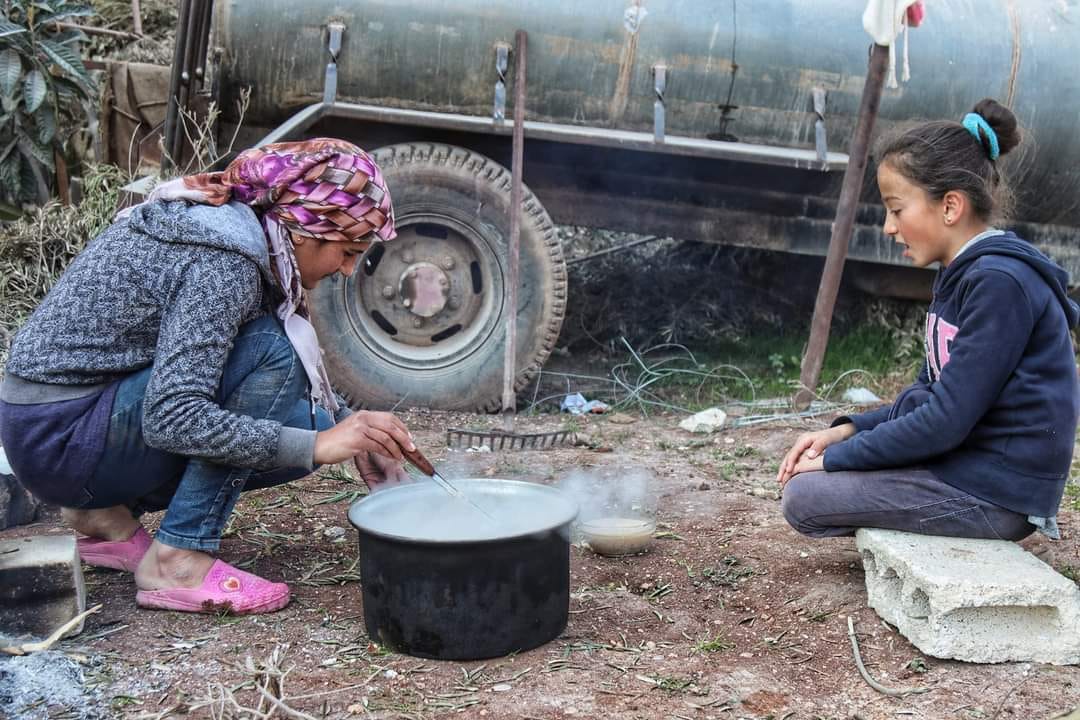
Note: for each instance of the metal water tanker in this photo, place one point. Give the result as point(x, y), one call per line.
point(715, 120)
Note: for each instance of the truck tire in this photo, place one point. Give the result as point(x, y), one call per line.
point(422, 320)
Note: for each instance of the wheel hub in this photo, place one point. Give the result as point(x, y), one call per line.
point(424, 289)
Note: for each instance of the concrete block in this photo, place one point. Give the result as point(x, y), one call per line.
point(977, 600)
point(41, 587)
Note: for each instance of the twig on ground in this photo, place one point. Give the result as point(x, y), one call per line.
point(268, 680)
point(1013, 689)
point(33, 647)
point(893, 692)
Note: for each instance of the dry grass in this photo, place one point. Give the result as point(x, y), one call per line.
point(35, 250)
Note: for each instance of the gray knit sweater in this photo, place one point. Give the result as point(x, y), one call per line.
point(169, 286)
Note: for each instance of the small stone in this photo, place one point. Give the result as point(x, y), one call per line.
point(17, 505)
point(334, 532)
point(390, 674)
point(804, 554)
point(704, 486)
point(746, 655)
point(621, 419)
point(706, 421)
point(502, 687)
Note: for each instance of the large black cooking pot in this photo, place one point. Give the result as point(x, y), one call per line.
point(440, 580)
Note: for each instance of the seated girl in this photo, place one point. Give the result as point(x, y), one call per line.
point(980, 445)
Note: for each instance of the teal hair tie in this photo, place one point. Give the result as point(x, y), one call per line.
point(975, 122)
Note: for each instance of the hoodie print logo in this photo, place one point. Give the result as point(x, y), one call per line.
point(939, 334)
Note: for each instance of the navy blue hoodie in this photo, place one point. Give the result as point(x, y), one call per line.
point(994, 410)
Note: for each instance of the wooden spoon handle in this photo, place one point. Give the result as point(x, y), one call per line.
point(417, 458)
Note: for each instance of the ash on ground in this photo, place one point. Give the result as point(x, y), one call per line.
point(42, 684)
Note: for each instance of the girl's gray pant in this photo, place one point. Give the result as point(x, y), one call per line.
point(828, 504)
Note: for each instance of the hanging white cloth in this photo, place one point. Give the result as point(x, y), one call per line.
point(884, 20)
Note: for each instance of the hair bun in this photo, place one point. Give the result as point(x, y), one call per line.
point(1003, 122)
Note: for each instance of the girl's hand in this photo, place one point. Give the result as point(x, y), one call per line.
point(363, 432)
point(806, 464)
point(379, 472)
point(809, 447)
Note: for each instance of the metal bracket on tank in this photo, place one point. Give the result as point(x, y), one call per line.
point(659, 86)
point(336, 30)
point(820, 140)
point(502, 59)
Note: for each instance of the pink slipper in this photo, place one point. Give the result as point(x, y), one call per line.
point(115, 554)
point(224, 589)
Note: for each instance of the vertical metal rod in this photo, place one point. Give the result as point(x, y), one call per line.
point(204, 42)
point(858, 154)
point(509, 400)
point(187, 73)
point(172, 112)
point(659, 87)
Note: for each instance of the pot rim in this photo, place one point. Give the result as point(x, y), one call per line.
point(563, 519)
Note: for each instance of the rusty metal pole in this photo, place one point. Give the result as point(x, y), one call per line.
point(858, 155)
point(172, 112)
point(509, 398)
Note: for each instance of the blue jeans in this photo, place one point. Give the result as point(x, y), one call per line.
point(263, 378)
point(830, 504)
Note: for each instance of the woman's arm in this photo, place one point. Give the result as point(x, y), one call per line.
point(199, 324)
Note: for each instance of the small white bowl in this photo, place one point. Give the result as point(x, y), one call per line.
point(615, 536)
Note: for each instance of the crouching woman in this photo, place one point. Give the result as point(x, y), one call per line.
point(173, 367)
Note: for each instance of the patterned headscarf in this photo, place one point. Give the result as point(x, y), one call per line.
point(321, 188)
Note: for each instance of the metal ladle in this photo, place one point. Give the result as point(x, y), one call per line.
point(425, 466)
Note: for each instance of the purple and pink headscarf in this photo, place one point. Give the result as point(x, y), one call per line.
point(321, 188)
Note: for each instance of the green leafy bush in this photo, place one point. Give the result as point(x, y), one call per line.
point(45, 93)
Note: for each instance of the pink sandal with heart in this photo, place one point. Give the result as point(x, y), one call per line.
point(225, 589)
point(115, 554)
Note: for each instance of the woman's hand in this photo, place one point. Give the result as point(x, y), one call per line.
point(806, 454)
point(363, 432)
point(379, 472)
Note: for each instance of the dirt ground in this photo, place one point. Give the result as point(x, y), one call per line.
point(730, 614)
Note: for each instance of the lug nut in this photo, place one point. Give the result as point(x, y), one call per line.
point(407, 257)
point(407, 302)
point(453, 304)
point(388, 292)
point(417, 322)
point(447, 263)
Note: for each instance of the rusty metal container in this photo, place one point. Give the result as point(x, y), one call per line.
point(724, 121)
point(741, 71)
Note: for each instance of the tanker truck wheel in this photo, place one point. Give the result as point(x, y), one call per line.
point(423, 317)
